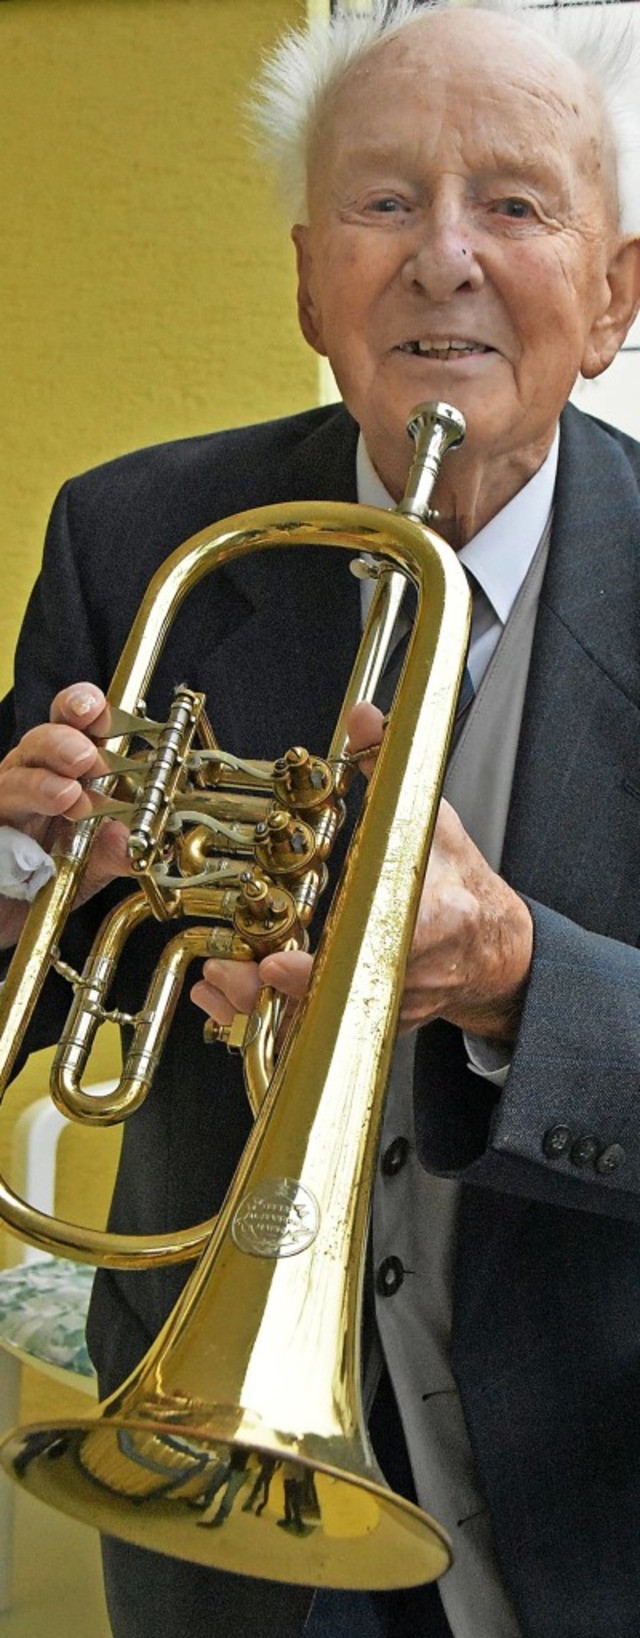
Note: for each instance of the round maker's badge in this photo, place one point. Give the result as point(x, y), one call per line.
point(279, 1219)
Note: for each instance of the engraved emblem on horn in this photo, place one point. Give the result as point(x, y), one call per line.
point(279, 1219)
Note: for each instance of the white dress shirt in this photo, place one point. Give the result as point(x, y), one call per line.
point(498, 565)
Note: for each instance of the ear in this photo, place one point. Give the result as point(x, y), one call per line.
point(309, 317)
point(609, 330)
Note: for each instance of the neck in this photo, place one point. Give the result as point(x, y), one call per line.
point(471, 490)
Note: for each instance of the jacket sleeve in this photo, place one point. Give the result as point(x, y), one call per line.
point(564, 1129)
point(56, 645)
point(55, 648)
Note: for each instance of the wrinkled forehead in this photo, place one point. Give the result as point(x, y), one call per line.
point(496, 78)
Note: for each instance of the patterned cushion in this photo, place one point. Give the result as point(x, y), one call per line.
point(43, 1311)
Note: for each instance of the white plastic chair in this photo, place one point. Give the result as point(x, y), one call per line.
point(43, 1301)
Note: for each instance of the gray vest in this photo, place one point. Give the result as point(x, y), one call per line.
point(414, 1214)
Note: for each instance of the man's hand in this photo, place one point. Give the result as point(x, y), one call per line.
point(472, 945)
point(41, 791)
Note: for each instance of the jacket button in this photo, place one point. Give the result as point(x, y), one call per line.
point(585, 1150)
point(556, 1141)
point(389, 1277)
point(395, 1156)
point(610, 1158)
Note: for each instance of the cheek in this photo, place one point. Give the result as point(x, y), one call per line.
point(358, 273)
point(547, 307)
point(348, 309)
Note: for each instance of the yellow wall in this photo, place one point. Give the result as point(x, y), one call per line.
point(146, 279)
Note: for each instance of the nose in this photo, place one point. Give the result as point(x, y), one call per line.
point(442, 259)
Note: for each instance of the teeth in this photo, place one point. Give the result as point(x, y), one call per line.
point(443, 349)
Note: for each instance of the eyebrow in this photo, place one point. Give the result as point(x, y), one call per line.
point(540, 171)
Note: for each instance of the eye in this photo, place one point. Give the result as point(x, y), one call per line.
point(386, 205)
point(518, 210)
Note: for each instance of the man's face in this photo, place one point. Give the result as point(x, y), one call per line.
point(460, 240)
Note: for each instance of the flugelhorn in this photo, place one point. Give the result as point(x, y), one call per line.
point(239, 1441)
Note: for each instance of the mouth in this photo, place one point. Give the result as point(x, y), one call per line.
point(445, 350)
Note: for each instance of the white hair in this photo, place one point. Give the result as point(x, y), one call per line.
point(308, 65)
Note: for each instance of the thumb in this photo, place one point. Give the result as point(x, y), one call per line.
point(109, 857)
point(288, 972)
point(366, 726)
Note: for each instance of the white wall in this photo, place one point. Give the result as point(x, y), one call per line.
point(615, 396)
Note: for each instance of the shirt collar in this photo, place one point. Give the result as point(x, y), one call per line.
point(500, 554)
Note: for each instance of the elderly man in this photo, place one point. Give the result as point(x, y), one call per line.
point(464, 239)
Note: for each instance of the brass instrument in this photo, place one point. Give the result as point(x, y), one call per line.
point(239, 1441)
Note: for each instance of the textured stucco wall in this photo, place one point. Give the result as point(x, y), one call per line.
point(146, 279)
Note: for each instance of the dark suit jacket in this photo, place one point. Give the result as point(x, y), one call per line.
point(547, 1304)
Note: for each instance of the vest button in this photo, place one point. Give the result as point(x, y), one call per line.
point(395, 1156)
point(389, 1277)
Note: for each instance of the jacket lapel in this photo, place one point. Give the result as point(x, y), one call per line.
point(287, 616)
point(572, 834)
point(302, 622)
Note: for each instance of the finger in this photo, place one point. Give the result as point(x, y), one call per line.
point(366, 726)
point(31, 794)
point(44, 774)
point(57, 746)
point(109, 857)
point(82, 705)
point(237, 982)
point(288, 972)
point(422, 1007)
point(213, 1002)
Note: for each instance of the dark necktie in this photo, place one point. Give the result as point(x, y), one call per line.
point(390, 678)
point(465, 701)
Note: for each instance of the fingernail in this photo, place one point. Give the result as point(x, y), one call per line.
point(81, 704)
point(74, 753)
point(51, 786)
point(211, 970)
